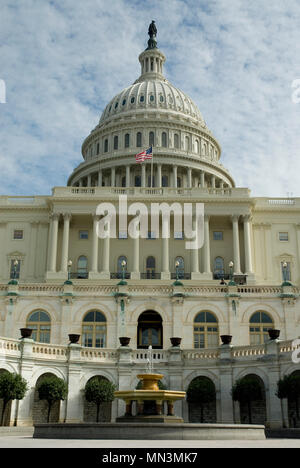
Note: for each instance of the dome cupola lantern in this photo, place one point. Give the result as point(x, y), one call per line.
point(152, 59)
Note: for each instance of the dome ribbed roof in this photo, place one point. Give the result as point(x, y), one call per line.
point(152, 94)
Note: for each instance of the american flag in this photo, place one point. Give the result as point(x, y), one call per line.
point(147, 154)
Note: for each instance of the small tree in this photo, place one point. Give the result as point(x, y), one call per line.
point(289, 387)
point(12, 387)
point(52, 389)
point(246, 391)
point(99, 391)
point(201, 391)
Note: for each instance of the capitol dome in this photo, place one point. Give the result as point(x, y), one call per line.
point(151, 112)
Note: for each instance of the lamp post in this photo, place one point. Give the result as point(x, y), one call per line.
point(231, 278)
point(16, 264)
point(70, 263)
point(177, 269)
point(123, 269)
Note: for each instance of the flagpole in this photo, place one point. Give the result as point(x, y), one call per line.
point(152, 168)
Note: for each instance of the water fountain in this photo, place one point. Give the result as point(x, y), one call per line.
point(150, 392)
point(148, 421)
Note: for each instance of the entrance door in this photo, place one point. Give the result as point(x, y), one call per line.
point(150, 330)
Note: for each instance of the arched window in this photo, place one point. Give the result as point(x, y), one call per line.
point(150, 267)
point(197, 146)
point(40, 322)
point(122, 259)
point(94, 330)
point(176, 140)
point(187, 143)
point(164, 139)
point(260, 323)
point(106, 146)
point(179, 182)
point(116, 142)
point(82, 267)
point(165, 181)
point(151, 139)
point(139, 139)
point(123, 181)
point(219, 268)
point(180, 267)
point(206, 330)
point(137, 181)
point(150, 330)
point(127, 140)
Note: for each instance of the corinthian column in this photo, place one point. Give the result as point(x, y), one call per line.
point(236, 245)
point(65, 243)
point(105, 273)
point(165, 274)
point(206, 248)
point(53, 242)
point(247, 241)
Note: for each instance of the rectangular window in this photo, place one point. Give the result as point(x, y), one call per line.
point(178, 235)
point(123, 235)
point(151, 235)
point(83, 235)
point(283, 236)
point(18, 234)
point(218, 235)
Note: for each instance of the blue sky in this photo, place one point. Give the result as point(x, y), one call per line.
point(62, 61)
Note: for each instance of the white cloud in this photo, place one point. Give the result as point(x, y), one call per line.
point(62, 61)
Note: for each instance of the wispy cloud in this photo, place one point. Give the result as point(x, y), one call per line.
point(62, 61)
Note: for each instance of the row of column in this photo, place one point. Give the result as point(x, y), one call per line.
point(199, 179)
point(165, 273)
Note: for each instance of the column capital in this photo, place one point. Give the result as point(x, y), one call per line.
point(247, 218)
point(67, 216)
point(54, 216)
point(235, 217)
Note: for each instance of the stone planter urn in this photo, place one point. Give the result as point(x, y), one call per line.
point(124, 340)
point(226, 339)
point(26, 332)
point(175, 341)
point(74, 338)
point(273, 334)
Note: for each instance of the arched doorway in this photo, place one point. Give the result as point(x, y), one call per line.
point(7, 412)
point(258, 407)
point(40, 407)
point(90, 408)
point(201, 397)
point(150, 330)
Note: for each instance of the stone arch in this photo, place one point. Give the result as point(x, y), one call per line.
point(38, 305)
point(202, 373)
point(204, 307)
point(247, 314)
point(149, 305)
point(258, 407)
point(40, 407)
point(203, 413)
point(84, 309)
point(46, 370)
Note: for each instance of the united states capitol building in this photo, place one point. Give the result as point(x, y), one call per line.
point(58, 278)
